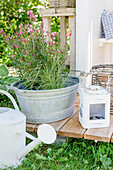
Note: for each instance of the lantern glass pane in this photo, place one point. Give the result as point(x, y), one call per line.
point(97, 111)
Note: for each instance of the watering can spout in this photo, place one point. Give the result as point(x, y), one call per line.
point(46, 134)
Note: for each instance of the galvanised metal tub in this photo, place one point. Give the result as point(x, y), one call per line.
point(45, 106)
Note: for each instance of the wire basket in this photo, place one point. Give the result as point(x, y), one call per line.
point(61, 3)
point(103, 76)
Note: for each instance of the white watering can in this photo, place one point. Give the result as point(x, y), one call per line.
point(13, 135)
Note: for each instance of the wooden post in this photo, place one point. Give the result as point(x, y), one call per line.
point(47, 27)
point(63, 32)
point(72, 28)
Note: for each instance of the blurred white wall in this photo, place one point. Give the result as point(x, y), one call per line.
point(88, 31)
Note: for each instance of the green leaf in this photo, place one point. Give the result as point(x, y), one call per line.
point(3, 71)
point(62, 159)
point(9, 80)
point(59, 151)
point(105, 161)
point(2, 87)
point(40, 157)
point(108, 162)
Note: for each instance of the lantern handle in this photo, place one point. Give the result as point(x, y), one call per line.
point(11, 98)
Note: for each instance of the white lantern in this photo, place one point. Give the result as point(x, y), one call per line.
point(94, 107)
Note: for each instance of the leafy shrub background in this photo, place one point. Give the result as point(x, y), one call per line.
point(12, 13)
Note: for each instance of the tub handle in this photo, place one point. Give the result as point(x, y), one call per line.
point(11, 98)
point(75, 71)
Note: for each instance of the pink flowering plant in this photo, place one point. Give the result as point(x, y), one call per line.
point(36, 55)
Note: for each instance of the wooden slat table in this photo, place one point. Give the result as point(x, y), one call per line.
point(100, 134)
point(71, 127)
point(31, 127)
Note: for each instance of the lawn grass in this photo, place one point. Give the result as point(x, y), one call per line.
point(74, 154)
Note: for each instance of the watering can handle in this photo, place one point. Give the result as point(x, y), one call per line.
point(11, 98)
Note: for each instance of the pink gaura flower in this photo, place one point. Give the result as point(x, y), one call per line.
point(12, 56)
point(31, 15)
point(20, 26)
point(21, 31)
point(1, 31)
point(30, 12)
point(24, 40)
point(18, 34)
point(27, 25)
point(17, 46)
point(70, 33)
point(27, 12)
point(58, 51)
point(30, 30)
point(20, 59)
point(56, 43)
point(51, 43)
point(54, 33)
point(42, 25)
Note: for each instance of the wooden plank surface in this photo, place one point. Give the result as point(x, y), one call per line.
point(72, 128)
point(57, 125)
point(30, 127)
point(58, 14)
point(47, 11)
point(100, 134)
point(53, 11)
point(65, 10)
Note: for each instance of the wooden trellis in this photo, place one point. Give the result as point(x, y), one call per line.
point(63, 13)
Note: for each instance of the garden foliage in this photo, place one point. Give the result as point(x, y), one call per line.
point(12, 13)
point(5, 79)
point(36, 55)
